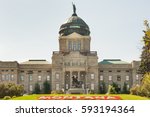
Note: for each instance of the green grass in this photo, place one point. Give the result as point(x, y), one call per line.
point(123, 96)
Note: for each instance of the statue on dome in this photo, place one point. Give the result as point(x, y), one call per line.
point(74, 9)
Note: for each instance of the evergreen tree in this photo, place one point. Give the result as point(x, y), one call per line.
point(145, 86)
point(46, 87)
point(37, 89)
point(145, 56)
point(102, 88)
point(117, 88)
point(125, 89)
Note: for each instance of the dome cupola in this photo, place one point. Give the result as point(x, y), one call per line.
point(74, 24)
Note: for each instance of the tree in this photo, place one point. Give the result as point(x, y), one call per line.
point(102, 88)
point(46, 87)
point(37, 89)
point(145, 86)
point(11, 90)
point(145, 56)
point(116, 87)
point(125, 89)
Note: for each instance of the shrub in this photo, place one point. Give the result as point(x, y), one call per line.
point(57, 92)
point(7, 98)
point(14, 96)
point(91, 92)
point(111, 90)
point(135, 90)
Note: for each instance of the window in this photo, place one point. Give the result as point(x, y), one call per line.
point(82, 86)
point(57, 76)
point(127, 70)
point(22, 78)
point(92, 86)
point(118, 71)
point(74, 45)
point(39, 78)
point(110, 78)
point(128, 86)
point(67, 86)
point(3, 77)
point(57, 86)
point(101, 78)
point(92, 76)
point(39, 71)
point(7, 77)
point(30, 77)
point(12, 77)
point(137, 77)
point(109, 71)
point(118, 78)
point(48, 78)
point(40, 86)
point(78, 45)
point(127, 78)
point(101, 70)
point(70, 45)
point(31, 88)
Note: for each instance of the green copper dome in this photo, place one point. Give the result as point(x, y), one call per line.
point(74, 24)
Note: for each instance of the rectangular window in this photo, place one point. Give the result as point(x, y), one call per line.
point(127, 78)
point(118, 78)
point(57, 86)
point(12, 77)
point(57, 76)
point(78, 45)
point(30, 77)
point(70, 45)
point(31, 88)
point(40, 86)
point(128, 86)
point(82, 86)
point(137, 77)
point(92, 86)
point(101, 78)
point(109, 71)
point(39, 78)
point(92, 76)
point(48, 78)
point(3, 77)
point(67, 86)
point(22, 78)
point(110, 78)
point(7, 76)
point(101, 70)
point(118, 71)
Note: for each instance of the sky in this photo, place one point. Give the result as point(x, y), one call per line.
point(29, 28)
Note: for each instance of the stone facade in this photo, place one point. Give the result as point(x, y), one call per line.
point(73, 60)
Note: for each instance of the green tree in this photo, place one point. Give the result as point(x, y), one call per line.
point(46, 87)
point(125, 89)
point(145, 86)
point(102, 88)
point(145, 56)
point(37, 89)
point(116, 87)
point(11, 90)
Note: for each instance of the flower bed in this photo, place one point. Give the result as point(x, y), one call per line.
point(79, 98)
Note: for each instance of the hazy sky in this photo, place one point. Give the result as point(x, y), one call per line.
point(29, 28)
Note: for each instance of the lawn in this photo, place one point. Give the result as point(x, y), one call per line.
point(122, 96)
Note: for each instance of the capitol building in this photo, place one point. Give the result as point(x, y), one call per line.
point(75, 65)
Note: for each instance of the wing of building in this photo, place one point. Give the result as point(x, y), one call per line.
point(74, 66)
